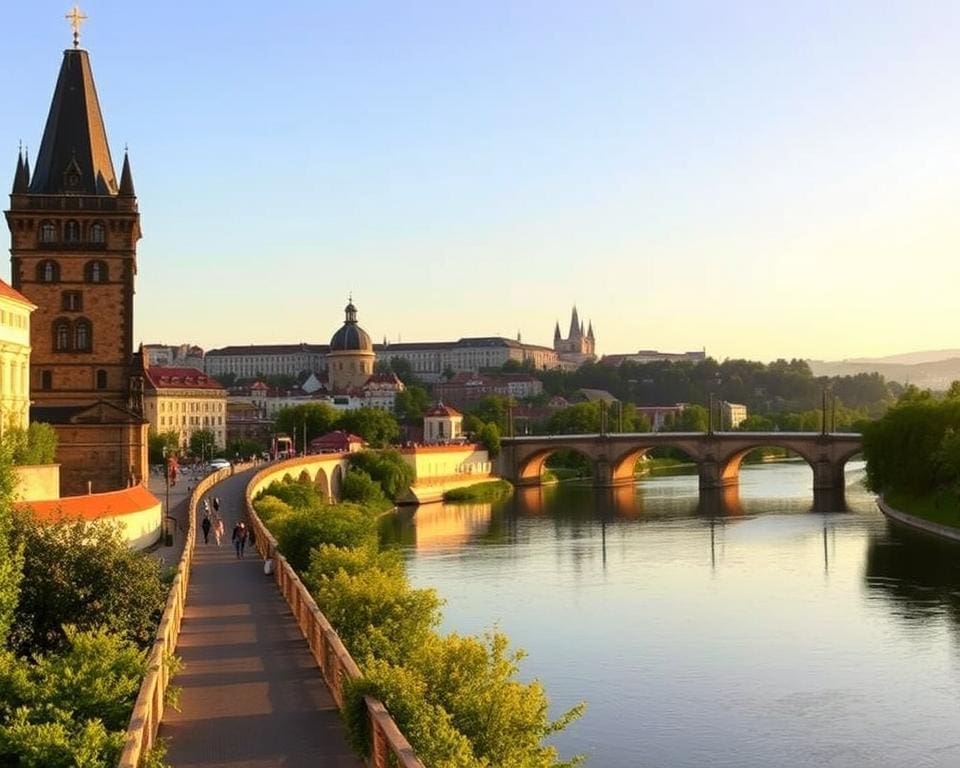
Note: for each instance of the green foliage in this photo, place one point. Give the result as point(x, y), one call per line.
point(327, 560)
point(11, 551)
point(343, 525)
point(245, 448)
point(386, 467)
point(953, 392)
point(35, 445)
point(161, 445)
point(489, 438)
point(412, 403)
point(268, 507)
point(377, 614)
point(296, 494)
point(317, 418)
point(913, 447)
point(359, 487)
point(579, 419)
point(489, 491)
point(379, 428)
point(428, 727)
point(203, 443)
point(693, 418)
point(495, 408)
point(69, 708)
point(82, 574)
point(756, 423)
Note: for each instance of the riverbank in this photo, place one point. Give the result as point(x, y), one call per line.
point(487, 491)
point(936, 513)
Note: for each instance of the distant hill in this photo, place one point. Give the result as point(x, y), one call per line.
point(927, 370)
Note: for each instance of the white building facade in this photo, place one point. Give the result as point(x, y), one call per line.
point(15, 312)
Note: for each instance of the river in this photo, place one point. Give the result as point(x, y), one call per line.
point(767, 636)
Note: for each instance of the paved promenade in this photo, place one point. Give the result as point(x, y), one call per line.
point(252, 696)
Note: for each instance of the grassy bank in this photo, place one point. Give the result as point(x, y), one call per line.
point(941, 507)
point(489, 491)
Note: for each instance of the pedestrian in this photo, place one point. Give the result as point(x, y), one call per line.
point(216, 504)
point(218, 530)
point(205, 525)
point(239, 539)
point(206, 506)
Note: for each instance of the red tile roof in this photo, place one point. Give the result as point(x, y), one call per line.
point(443, 410)
point(93, 506)
point(180, 378)
point(9, 293)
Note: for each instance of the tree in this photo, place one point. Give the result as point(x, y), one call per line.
point(37, 444)
point(693, 418)
point(359, 487)
point(203, 443)
point(161, 445)
point(387, 468)
point(495, 408)
point(579, 419)
point(379, 428)
point(245, 447)
point(412, 403)
point(316, 418)
point(11, 552)
point(82, 574)
point(953, 393)
point(489, 438)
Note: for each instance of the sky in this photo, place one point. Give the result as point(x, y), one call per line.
point(760, 179)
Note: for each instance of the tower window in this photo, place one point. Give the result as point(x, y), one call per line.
point(101, 379)
point(72, 231)
point(48, 272)
point(96, 272)
point(82, 336)
point(98, 233)
point(46, 380)
point(61, 336)
point(48, 232)
point(71, 301)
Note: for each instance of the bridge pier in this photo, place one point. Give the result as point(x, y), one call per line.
point(711, 476)
point(603, 475)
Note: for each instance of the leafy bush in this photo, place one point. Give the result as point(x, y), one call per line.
point(386, 467)
point(82, 574)
point(295, 494)
point(489, 491)
point(35, 445)
point(270, 507)
point(359, 487)
point(327, 560)
point(11, 552)
point(489, 438)
point(343, 525)
point(377, 614)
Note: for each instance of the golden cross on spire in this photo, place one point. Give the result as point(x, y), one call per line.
point(76, 17)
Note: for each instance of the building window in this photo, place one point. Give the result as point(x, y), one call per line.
point(48, 272)
point(48, 232)
point(46, 380)
point(95, 272)
point(101, 379)
point(98, 233)
point(72, 231)
point(71, 301)
point(61, 336)
point(82, 336)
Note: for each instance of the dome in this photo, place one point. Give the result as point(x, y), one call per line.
point(351, 337)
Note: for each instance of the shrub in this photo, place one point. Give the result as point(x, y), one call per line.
point(386, 467)
point(327, 560)
point(270, 507)
point(82, 574)
point(489, 491)
point(35, 445)
point(359, 487)
point(295, 494)
point(377, 614)
point(343, 525)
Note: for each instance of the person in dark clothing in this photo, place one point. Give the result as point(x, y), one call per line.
point(239, 539)
point(216, 504)
point(205, 525)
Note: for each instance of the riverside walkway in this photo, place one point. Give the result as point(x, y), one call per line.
point(252, 695)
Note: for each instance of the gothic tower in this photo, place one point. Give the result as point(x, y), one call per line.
point(74, 232)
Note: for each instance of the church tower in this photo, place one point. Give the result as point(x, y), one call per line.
point(74, 230)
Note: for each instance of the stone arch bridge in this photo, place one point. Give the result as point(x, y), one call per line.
point(718, 455)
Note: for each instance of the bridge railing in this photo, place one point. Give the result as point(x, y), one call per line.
point(148, 708)
point(389, 747)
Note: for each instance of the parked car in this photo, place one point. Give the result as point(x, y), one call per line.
point(218, 464)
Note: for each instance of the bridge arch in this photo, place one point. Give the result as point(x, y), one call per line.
point(530, 469)
point(322, 483)
point(336, 483)
point(729, 465)
point(623, 467)
point(305, 478)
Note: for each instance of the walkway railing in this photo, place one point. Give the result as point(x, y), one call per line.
point(148, 709)
point(328, 650)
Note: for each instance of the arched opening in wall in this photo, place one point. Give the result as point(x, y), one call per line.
point(287, 477)
point(668, 472)
point(304, 478)
point(556, 465)
point(336, 483)
point(322, 483)
point(857, 495)
point(770, 478)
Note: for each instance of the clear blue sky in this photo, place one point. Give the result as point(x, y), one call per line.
point(763, 179)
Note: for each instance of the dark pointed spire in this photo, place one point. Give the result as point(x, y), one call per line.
point(590, 331)
point(74, 130)
point(574, 324)
point(26, 165)
point(19, 177)
point(126, 177)
point(556, 332)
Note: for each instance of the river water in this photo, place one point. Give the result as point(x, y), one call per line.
point(767, 635)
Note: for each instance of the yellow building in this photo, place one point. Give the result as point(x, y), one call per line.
point(14, 358)
point(351, 357)
point(185, 401)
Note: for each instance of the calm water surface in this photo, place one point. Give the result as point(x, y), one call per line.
point(768, 635)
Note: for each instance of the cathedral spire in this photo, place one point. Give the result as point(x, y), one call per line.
point(19, 177)
point(74, 156)
point(574, 324)
point(126, 178)
point(556, 332)
point(590, 331)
